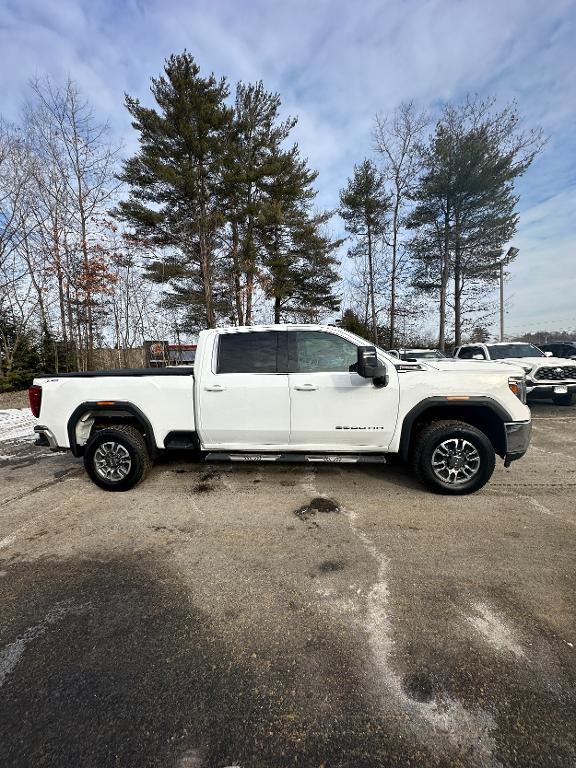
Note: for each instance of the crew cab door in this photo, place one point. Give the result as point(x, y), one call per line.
point(332, 408)
point(243, 399)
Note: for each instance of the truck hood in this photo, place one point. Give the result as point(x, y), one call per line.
point(530, 363)
point(454, 365)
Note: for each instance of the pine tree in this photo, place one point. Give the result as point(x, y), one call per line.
point(298, 265)
point(364, 206)
point(175, 184)
point(465, 201)
point(254, 156)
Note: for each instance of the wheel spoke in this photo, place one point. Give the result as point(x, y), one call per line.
point(455, 460)
point(112, 461)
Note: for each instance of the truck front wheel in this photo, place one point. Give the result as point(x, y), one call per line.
point(116, 458)
point(453, 457)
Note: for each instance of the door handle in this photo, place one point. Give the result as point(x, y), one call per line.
point(306, 387)
point(214, 388)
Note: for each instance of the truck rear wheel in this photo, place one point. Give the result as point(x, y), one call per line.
point(116, 458)
point(453, 457)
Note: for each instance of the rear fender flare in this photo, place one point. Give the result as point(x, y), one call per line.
point(118, 405)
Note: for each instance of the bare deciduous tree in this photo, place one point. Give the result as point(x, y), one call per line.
point(397, 137)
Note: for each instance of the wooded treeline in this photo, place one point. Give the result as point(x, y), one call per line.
point(213, 221)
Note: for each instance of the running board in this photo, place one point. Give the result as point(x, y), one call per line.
point(299, 458)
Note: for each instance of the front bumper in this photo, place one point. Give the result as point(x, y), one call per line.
point(536, 389)
point(518, 435)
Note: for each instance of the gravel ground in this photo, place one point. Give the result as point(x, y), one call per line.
point(14, 399)
point(271, 616)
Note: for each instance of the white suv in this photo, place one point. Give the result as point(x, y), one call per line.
point(546, 376)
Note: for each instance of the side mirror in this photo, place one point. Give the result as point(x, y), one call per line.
point(478, 357)
point(548, 354)
point(368, 367)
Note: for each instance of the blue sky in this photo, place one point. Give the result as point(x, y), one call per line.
point(336, 64)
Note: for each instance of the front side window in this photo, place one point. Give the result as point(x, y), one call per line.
point(248, 352)
point(317, 351)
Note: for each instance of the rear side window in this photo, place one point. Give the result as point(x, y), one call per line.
point(246, 352)
point(317, 351)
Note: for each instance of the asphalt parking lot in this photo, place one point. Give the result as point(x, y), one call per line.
point(271, 616)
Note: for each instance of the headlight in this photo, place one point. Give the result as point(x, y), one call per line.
point(517, 384)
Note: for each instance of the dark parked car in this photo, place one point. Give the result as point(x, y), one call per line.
point(565, 349)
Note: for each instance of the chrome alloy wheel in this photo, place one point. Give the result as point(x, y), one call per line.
point(455, 461)
point(112, 461)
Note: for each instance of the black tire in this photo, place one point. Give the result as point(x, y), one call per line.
point(480, 460)
point(135, 458)
point(562, 399)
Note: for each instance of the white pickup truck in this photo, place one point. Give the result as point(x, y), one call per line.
point(290, 393)
point(546, 376)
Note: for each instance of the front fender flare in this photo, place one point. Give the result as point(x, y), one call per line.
point(430, 403)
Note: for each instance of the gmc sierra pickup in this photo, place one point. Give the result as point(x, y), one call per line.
point(307, 393)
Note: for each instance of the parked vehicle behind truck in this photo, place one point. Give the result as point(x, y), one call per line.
point(547, 377)
point(276, 393)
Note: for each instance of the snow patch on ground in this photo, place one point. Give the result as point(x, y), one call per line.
point(494, 630)
point(441, 718)
point(17, 424)
point(10, 655)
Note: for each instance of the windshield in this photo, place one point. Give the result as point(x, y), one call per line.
point(426, 354)
point(500, 351)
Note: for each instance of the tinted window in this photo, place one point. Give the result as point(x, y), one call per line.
point(500, 351)
point(247, 352)
point(315, 351)
point(429, 354)
point(469, 352)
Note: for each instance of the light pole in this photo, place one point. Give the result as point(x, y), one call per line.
point(511, 253)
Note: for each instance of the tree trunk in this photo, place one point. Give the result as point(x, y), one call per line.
point(249, 269)
point(457, 302)
point(457, 286)
point(393, 274)
point(277, 307)
point(237, 276)
point(207, 281)
point(371, 288)
point(444, 276)
point(61, 298)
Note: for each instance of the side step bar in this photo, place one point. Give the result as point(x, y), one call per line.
point(299, 458)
